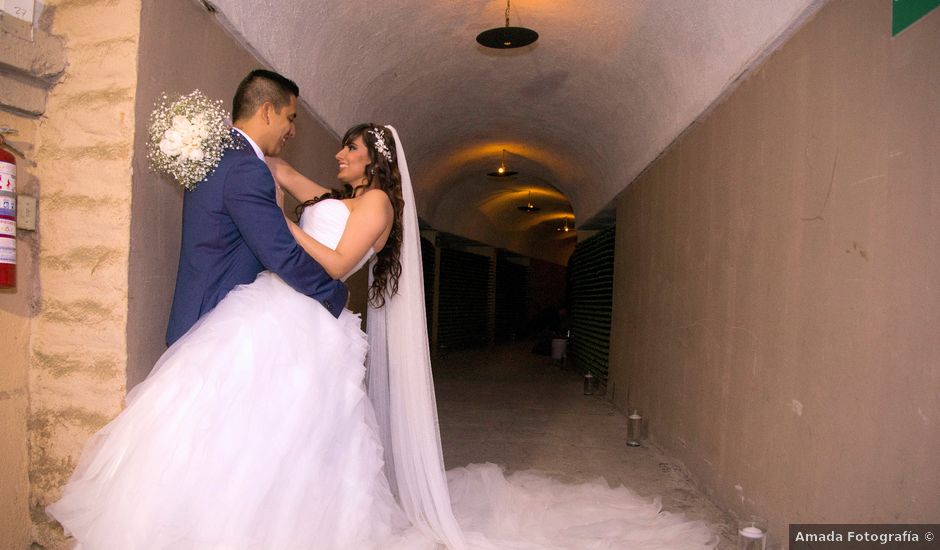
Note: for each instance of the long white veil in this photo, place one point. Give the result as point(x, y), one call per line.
point(402, 390)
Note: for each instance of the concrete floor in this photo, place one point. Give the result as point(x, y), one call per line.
point(507, 406)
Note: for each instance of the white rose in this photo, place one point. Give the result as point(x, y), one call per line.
point(186, 135)
point(169, 146)
point(173, 135)
point(196, 155)
point(181, 124)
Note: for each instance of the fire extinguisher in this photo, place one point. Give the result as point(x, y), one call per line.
point(7, 218)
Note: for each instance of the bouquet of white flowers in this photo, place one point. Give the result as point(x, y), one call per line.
point(188, 135)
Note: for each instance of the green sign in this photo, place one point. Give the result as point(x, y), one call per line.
point(905, 13)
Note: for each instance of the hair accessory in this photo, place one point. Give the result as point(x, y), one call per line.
point(380, 145)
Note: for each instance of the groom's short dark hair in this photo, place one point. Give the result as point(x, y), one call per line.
point(260, 86)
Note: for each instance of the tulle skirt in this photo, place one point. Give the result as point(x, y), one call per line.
point(528, 510)
point(254, 431)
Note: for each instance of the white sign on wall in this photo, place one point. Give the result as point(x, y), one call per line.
point(20, 9)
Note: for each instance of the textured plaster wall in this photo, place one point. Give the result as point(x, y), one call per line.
point(776, 304)
point(182, 48)
point(77, 350)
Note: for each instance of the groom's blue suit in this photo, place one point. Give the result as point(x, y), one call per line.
point(232, 230)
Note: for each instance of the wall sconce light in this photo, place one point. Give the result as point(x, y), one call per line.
point(502, 171)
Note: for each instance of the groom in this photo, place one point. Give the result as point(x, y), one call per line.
point(232, 226)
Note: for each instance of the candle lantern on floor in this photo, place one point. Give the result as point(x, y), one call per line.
point(634, 423)
point(589, 383)
point(560, 351)
point(752, 534)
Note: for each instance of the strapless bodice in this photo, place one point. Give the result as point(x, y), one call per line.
point(325, 221)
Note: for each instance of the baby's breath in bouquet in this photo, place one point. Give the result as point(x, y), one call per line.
point(188, 135)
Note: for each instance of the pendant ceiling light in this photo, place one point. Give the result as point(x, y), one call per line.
point(565, 227)
point(507, 37)
point(501, 170)
point(528, 206)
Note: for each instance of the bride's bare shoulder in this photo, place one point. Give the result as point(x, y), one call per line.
point(374, 200)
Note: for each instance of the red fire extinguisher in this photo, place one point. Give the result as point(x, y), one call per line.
point(7, 218)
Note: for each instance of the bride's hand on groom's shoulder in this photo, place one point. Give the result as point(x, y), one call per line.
point(279, 195)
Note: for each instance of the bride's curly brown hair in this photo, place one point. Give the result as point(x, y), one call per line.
point(381, 173)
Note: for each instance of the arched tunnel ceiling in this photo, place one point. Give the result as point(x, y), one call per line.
point(606, 88)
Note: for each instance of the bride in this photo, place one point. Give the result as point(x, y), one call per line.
point(255, 430)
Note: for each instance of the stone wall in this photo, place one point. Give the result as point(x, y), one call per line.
point(775, 306)
point(31, 61)
point(84, 147)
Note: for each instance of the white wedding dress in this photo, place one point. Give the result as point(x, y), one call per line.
point(254, 431)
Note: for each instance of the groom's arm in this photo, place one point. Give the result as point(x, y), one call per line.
point(249, 197)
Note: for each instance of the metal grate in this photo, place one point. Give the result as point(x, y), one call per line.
point(463, 319)
point(590, 296)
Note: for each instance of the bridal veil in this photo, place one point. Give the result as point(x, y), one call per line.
point(402, 389)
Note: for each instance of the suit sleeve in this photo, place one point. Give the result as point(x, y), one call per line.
point(249, 200)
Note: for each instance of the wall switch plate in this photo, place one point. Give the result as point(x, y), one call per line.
point(26, 212)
